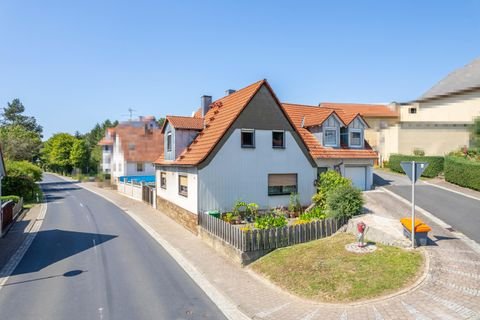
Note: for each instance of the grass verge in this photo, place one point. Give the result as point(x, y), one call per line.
point(323, 270)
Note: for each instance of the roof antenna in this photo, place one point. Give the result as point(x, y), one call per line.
point(130, 111)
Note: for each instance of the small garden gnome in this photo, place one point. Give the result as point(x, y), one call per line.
point(361, 226)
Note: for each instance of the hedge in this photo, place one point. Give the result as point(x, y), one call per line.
point(464, 172)
point(15, 199)
point(434, 168)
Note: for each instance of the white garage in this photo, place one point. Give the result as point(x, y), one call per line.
point(358, 175)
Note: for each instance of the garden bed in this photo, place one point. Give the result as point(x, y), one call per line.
point(324, 271)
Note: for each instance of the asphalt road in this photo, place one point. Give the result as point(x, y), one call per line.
point(91, 261)
point(462, 213)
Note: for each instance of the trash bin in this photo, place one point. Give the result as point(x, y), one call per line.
point(214, 213)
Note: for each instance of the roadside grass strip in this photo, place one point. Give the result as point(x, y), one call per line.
point(324, 271)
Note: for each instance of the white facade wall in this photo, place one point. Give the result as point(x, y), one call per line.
point(237, 173)
point(118, 161)
point(148, 169)
point(171, 194)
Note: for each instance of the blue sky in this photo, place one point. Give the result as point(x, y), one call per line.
point(75, 63)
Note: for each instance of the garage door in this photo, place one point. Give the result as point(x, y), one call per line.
point(357, 175)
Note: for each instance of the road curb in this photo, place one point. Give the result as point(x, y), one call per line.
point(226, 306)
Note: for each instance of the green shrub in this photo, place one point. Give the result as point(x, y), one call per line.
point(15, 199)
point(344, 202)
point(418, 152)
point(294, 205)
point(316, 213)
point(328, 181)
point(435, 166)
point(270, 221)
point(21, 178)
point(464, 172)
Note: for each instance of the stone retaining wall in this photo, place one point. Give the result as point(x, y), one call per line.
point(184, 217)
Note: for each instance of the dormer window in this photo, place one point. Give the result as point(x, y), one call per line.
point(355, 138)
point(169, 141)
point(330, 137)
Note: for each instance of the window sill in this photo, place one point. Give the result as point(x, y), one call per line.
point(164, 188)
point(248, 147)
point(278, 194)
point(183, 194)
point(275, 147)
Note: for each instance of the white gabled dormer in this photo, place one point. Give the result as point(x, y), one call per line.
point(356, 135)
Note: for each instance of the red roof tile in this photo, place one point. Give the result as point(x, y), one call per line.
point(139, 145)
point(218, 119)
point(297, 113)
point(366, 110)
point(179, 122)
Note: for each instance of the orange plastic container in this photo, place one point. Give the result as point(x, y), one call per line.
point(420, 226)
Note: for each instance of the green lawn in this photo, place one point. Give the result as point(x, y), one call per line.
point(323, 270)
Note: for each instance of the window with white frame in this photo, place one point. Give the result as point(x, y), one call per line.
point(330, 137)
point(248, 138)
point(183, 185)
point(169, 141)
point(163, 180)
point(355, 138)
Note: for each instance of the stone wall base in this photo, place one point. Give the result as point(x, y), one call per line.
point(184, 217)
point(231, 253)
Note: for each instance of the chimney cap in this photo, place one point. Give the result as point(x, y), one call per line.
point(229, 91)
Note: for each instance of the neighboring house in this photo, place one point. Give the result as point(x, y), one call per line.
point(439, 121)
point(378, 117)
point(133, 146)
point(248, 146)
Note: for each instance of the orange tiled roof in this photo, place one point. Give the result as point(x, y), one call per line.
point(105, 141)
point(139, 145)
point(218, 119)
point(297, 113)
point(366, 110)
point(179, 122)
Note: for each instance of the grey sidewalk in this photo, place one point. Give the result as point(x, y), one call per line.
point(451, 289)
point(17, 234)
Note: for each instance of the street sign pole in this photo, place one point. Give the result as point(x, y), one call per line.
point(413, 205)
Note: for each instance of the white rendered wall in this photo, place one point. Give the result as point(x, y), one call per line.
point(171, 192)
point(237, 173)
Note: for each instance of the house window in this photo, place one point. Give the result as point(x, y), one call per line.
point(131, 146)
point(169, 141)
point(282, 184)
point(140, 166)
point(163, 180)
point(278, 139)
point(330, 137)
point(355, 139)
point(183, 185)
point(248, 138)
point(412, 110)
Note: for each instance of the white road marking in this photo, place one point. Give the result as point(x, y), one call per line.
point(227, 307)
point(268, 312)
point(100, 313)
point(414, 312)
point(378, 315)
point(344, 315)
point(18, 255)
point(461, 310)
point(310, 316)
point(81, 204)
point(451, 190)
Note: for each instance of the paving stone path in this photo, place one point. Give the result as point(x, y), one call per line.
point(450, 290)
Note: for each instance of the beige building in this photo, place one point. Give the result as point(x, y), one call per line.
point(439, 121)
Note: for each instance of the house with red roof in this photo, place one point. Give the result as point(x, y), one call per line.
point(131, 147)
point(249, 146)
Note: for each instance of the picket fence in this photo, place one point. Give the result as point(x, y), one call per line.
point(255, 240)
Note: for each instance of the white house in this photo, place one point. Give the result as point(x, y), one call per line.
point(248, 146)
point(130, 148)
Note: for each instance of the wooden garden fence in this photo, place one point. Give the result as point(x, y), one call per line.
point(255, 240)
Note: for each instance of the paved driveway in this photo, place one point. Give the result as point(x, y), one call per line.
point(461, 212)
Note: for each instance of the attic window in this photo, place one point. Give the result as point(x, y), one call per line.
point(248, 138)
point(412, 110)
point(131, 146)
point(169, 142)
